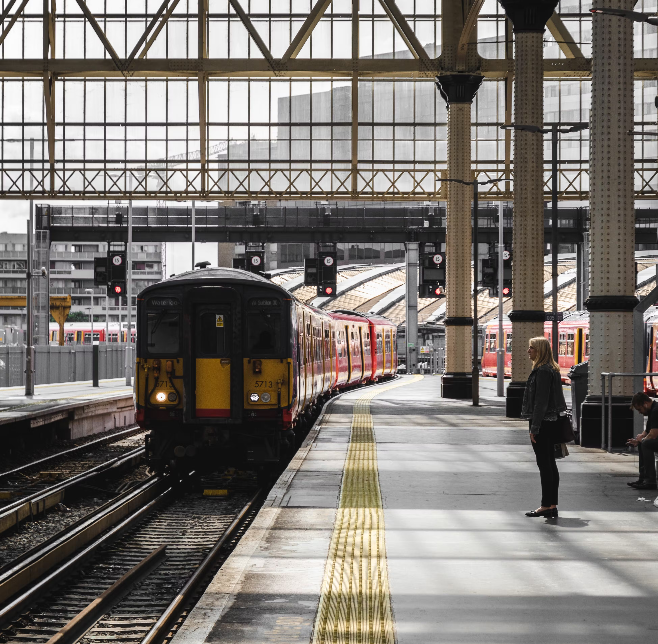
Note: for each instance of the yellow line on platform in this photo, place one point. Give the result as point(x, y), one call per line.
point(355, 601)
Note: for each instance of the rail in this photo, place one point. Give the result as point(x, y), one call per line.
point(606, 406)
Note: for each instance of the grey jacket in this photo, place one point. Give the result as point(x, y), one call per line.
point(543, 398)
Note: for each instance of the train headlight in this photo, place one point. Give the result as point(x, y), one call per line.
point(161, 396)
point(265, 397)
point(172, 396)
point(254, 397)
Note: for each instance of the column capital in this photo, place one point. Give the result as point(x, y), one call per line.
point(611, 303)
point(529, 15)
point(458, 88)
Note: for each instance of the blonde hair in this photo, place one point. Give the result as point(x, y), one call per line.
point(544, 353)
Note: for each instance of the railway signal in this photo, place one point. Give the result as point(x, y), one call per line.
point(507, 273)
point(100, 271)
point(327, 272)
point(255, 260)
point(116, 264)
point(432, 274)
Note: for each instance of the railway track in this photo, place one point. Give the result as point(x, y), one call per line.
point(127, 573)
point(44, 472)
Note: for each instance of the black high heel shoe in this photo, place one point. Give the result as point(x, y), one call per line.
point(550, 513)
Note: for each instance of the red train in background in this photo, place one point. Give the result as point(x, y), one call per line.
point(573, 344)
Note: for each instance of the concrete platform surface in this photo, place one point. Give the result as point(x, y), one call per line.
point(86, 409)
point(418, 536)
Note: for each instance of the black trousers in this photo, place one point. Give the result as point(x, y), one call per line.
point(544, 448)
point(647, 452)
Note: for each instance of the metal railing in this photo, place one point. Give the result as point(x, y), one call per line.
point(606, 406)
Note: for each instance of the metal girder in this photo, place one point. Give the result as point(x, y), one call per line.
point(101, 34)
point(307, 68)
point(465, 38)
point(303, 34)
point(563, 37)
point(246, 21)
point(159, 28)
point(12, 20)
point(406, 32)
point(146, 33)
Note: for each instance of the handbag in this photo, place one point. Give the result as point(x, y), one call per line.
point(564, 430)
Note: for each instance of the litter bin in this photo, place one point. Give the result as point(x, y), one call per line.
point(579, 375)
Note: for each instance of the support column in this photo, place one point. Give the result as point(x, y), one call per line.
point(411, 336)
point(458, 90)
point(612, 240)
point(529, 18)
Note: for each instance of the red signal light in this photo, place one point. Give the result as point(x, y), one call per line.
point(507, 290)
point(329, 290)
point(437, 290)
point(117, 289)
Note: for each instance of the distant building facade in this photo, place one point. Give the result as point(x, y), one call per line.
point(71, 272)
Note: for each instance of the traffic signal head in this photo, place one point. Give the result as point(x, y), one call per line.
point(430, 290)
point(117, 265)
point(433, 269)
point(118, 288)
point(327, 290)
point(255, 261)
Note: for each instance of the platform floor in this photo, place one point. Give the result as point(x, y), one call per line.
point(420, 537)
point(15, 405)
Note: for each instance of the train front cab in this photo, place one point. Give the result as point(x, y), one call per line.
point(214, 375)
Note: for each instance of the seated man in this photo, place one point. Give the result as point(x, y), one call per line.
point(647, 442)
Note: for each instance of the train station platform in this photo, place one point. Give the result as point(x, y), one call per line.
point(73, 409)
point(402, 520)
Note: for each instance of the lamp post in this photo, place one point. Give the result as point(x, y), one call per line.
point(475, 372)
point(90, 292)
point(555, 131)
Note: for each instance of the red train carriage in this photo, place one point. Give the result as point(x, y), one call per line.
point(573, 344)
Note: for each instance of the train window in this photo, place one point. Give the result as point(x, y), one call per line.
point(263, 332)
point(163, 331)
point(562, 346)
point(492, 343)
point(508, 343)
point(587, 344)
point(570, 343)
point(212, 341)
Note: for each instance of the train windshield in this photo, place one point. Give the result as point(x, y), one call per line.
point(264, 327)
point(163, 334)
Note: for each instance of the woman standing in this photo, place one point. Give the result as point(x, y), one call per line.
point(543, 401)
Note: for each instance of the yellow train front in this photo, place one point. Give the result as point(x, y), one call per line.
point(216, 382)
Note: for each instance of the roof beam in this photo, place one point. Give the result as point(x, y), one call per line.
point(406, 32)
point(158, 29)
point(145, 35)
point(304, 33)
point(465, 38)
point(246, 21)
point(100, 33)
point(313, 67)
point(563, 37)
point(13, 19)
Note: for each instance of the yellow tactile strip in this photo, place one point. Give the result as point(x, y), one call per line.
point(355, 600)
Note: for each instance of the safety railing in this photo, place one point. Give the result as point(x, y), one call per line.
point(606, 408)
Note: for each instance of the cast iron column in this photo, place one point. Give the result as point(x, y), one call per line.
point(411, 300)
point(612, 219)
point(529, 18)
point(458, 90)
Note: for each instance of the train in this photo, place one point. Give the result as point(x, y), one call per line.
point(80, 333)
point(231, 369)
point(573, 345)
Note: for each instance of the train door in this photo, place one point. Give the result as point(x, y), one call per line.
point(579, 346)
point(348, 344)
point(213, 358)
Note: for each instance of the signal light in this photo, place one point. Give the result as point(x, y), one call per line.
point(328, 290)
point(507, 291)
point(438, 291)
point(117, 289)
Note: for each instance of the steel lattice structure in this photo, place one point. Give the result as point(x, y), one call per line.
point(276, 99)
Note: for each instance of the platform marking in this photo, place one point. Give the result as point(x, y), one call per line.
point(355, 600)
